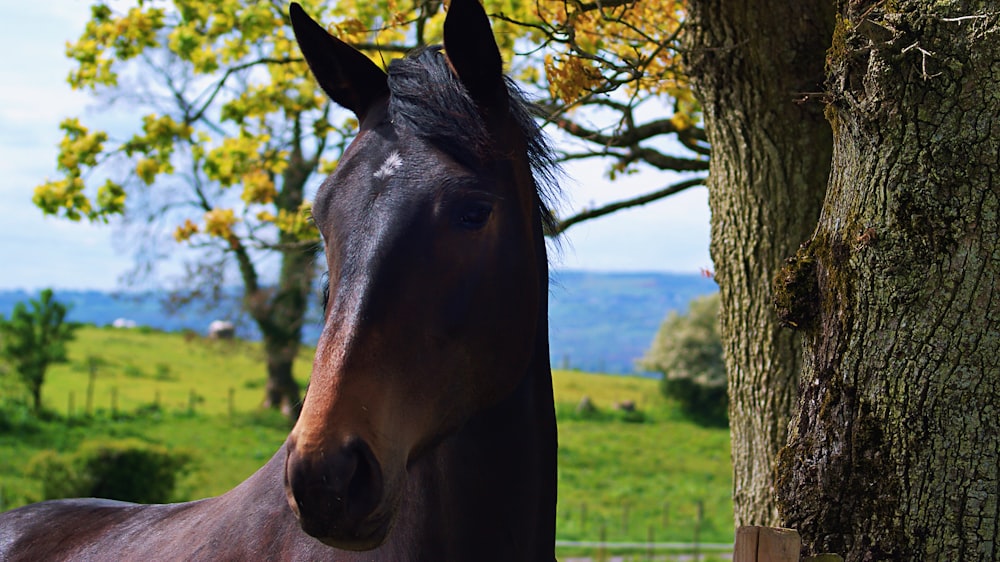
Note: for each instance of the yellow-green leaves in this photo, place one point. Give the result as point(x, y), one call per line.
point(79, 146)
point(111, 198)
point(63, 197)
point(298, 223)
point(109, 39)
point(80, 150)
point(156, 145)
point(235, 157)
point(225, 98)
point(219, 222)
point(258, 187)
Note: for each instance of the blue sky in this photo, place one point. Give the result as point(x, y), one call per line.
point(38, 251)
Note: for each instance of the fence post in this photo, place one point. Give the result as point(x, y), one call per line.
point(602, 552)
point(766, 544)
point(92, 368)
point(697, 530)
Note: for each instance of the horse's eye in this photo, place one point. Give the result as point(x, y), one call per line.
point(474, 216)
point(325, 291)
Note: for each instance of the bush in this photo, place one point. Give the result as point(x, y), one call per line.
point(127, 470)
point(687, 351)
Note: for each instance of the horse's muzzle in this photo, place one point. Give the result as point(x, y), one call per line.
point(336, 494)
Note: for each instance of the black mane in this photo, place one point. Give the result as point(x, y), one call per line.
point(427, 98)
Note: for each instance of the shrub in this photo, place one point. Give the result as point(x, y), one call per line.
point(687, 351)
point(127, 470)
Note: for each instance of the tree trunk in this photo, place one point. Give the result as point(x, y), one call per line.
point(279, 313)
point(281, 328)
point(894, 452)
point(282, 392)
point(35, 385)
point(757, 67)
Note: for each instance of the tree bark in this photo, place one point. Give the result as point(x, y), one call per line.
point(757, 67)
point(894, 452)
point(279, 313)
point(282, 330)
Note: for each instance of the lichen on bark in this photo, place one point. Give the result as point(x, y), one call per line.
point(893, 454)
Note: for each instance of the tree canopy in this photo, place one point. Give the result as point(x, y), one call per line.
point(227, 102)
point(227, 134)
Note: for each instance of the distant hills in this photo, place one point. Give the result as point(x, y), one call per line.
point(598, 322)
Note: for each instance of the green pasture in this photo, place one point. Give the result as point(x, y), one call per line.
point(623, 476)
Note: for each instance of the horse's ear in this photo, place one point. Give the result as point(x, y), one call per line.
point(473, 53)
point(350, 78)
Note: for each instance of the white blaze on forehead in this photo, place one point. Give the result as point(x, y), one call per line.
point(389, 167)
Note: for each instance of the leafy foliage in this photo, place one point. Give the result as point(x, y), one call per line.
point(231, 103)
point(126, 470)
point(34, 338)
point(687, 350)
point(230, 129)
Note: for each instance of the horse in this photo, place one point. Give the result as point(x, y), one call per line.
point(428, 428)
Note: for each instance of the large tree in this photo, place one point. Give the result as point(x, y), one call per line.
point(758, 69)
point(895, 450)
point(229, 132)
point(892, 453)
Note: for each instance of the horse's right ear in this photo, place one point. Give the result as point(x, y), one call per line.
point(350, 78)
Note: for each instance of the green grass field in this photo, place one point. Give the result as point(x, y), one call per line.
point(625, 478)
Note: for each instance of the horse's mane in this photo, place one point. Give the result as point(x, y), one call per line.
point(427, 98)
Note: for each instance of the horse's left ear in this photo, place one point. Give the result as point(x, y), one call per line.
point(473, 53)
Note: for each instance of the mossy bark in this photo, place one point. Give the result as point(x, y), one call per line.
point(757, 68)
point(894, 452)
point(280, 311)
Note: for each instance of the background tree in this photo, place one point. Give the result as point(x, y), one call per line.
point(231, 133)
point(687, 351)
point(33, 338)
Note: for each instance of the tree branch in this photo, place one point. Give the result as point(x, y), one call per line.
point(588, 214)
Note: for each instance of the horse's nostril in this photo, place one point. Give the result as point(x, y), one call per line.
point(336, 494)
point(364, 489)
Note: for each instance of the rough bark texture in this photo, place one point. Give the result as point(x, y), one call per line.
point(757, 67)
point(894, 453)
point(280, 312)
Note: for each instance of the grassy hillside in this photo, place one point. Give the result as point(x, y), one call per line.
point(626, 476)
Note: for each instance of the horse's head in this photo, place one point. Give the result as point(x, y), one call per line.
point(432, 226)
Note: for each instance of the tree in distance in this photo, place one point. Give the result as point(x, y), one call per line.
point(687, 351)
point(33, 338)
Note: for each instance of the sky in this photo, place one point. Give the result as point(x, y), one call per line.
point(38, 251)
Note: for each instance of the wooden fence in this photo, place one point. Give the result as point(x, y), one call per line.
point(770, 544)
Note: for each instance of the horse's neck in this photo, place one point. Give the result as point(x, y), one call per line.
point(493, 482)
